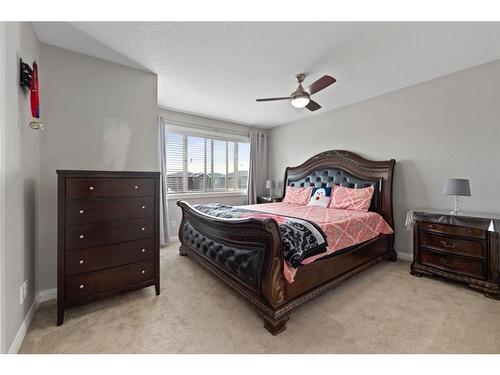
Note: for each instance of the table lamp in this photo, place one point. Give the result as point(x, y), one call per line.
point(270, 185)
point(457, 187)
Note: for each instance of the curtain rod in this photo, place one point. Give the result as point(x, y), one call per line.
point(193, 125)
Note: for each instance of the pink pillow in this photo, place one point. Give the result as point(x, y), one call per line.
point(351, 199)
point(297, 195)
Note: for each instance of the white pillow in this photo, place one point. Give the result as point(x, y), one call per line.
point(319, 198)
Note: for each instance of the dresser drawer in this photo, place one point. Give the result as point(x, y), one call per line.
point(81, 211)
point(458, 265)
point(88, 187)
point(86, 285)
point(458, 246)
point(453, 230)
point(108, 232)
point(102, 257)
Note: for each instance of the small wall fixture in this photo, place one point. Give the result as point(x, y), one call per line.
point(25, 75)
point(28, 80)
point(37, 125)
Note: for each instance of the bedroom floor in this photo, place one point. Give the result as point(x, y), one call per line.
point(382, 310)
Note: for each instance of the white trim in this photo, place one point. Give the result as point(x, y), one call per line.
point(42, 296)
point(47, 295)
point(21, 333)
point(405, 256)
point(208, 194)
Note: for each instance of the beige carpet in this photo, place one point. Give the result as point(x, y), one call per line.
point(383, 310)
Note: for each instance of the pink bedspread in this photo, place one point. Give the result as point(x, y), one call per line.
point(343, 228)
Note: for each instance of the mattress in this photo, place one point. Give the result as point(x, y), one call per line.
point(343, 228)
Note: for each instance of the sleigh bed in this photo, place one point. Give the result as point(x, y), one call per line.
point(247, 253)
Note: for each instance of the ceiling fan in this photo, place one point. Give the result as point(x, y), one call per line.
point(301, 98)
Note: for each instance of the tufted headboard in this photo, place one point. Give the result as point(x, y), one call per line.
point(347, 169)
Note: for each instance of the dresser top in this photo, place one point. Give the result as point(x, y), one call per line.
point(485, 221)
point(107, 173)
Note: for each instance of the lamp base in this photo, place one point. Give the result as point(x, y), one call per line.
point(455, 210)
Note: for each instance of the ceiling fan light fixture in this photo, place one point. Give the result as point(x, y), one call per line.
point(299, 98)
point(300, 102)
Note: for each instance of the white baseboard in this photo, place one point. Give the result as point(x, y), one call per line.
point(47, 295)
point(405, 256)
point(25, 325)
point(42, 296)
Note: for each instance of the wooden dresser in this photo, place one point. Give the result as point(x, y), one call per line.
point(459, 248)
point(108, 235)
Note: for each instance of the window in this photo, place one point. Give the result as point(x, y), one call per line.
point(199, 163)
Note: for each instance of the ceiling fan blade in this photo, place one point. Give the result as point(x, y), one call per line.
point(313, 106)
point(320, 84)
point(272, 99)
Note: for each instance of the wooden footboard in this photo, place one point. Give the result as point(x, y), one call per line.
point(247, 254)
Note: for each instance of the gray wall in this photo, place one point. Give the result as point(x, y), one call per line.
point(3, 118)
point(98, 115)
point(448, 126)
point(20, 150)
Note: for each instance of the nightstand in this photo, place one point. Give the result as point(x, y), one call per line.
point(463, 248)
point(267, 199)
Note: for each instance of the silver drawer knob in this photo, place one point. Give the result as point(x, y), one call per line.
point(136, 187)
point(82, 286)
point(143, 207)
point(81, 261)
point(82, 236)
point(82, 211)
point(91, 188)
point(143, 228)
point(143, 250)
point(143, 272)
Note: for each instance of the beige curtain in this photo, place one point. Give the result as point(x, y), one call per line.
point(257, 174)
point(164, 217)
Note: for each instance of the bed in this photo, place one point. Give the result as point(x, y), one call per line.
point(247, 253)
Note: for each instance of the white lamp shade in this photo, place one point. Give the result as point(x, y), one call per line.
point(270, 184)
point(300, 102)
point(456, 186)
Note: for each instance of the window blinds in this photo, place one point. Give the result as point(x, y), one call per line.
point(197, 163)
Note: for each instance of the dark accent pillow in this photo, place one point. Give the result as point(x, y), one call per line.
point(328, 191)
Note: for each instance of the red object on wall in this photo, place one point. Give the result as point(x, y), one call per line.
point(34, 92)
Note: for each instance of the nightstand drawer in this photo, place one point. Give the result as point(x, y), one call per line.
point(453, 230)
point(457, 246)
point(458, 265)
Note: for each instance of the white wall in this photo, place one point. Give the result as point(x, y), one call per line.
point(98, 115)
point(20, 179)
point(3, 118)
point(184, 119)
point(446, 127)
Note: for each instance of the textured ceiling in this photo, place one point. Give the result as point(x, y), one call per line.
point(218, 69)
